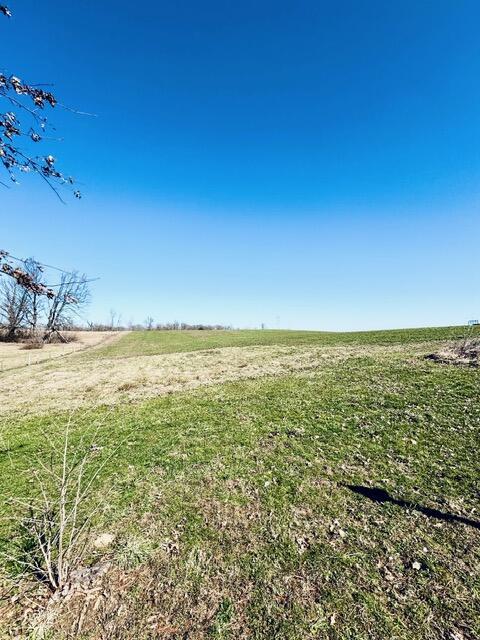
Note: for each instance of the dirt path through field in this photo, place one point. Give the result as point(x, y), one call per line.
point(14, 355)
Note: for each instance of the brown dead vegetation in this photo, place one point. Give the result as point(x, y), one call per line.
point(13, 356)
point(79, 382)
point(464, 354)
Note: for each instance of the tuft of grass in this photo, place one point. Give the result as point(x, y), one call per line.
point(132, 551)
point(222, 620)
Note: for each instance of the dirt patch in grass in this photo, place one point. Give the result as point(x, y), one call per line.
point(464, 354)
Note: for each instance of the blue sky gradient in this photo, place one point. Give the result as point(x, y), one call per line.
point(298, 164)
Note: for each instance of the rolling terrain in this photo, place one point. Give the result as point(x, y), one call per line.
point(254, 484)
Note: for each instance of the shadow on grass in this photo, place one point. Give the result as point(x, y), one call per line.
point(380, 495)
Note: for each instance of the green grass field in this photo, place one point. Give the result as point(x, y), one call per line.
point(245, 510)
point(154, 342)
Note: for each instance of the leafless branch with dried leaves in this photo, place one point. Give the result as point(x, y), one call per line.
point(31, 101)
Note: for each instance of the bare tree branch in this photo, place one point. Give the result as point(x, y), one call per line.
point(32, 100)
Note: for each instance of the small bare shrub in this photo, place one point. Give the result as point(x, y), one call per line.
point(32, 344)
point(465, 352)
point(58, 337)
point(54, 527)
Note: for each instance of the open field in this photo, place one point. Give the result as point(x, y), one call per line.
point(139, 365)
point(150, 343)
point(290, 485)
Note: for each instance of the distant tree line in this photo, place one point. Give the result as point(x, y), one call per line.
point(150, 325)
point(184, 326)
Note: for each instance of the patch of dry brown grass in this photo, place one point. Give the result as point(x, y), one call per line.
point(12, 354)
point(76, 382)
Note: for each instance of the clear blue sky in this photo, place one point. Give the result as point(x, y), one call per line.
point(301, 164)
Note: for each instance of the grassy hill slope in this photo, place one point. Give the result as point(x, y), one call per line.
point(339, 502)
point(157, 342)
